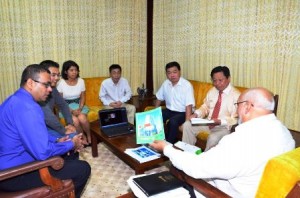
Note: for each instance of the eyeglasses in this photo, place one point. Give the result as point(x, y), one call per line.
point(47, 85)
point(54, 74)
point(237, 103)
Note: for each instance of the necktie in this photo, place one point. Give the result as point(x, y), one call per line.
point(216, 111)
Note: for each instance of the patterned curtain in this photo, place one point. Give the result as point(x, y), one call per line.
point(258, 40)
point(93, 33)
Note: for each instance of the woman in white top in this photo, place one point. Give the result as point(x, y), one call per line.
point(72, 89)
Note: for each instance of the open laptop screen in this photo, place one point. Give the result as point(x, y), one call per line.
point(111, 117)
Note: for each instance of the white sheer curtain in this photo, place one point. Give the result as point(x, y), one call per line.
point(93, 33)
point(257, 40)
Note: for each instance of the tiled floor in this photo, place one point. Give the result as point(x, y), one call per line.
point(109, 174)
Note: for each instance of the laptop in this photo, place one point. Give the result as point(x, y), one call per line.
point(114, 122)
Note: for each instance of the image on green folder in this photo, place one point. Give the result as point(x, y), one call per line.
point(149, 126)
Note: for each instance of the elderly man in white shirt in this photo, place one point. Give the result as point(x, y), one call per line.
point(115, 91)
point(235, 165)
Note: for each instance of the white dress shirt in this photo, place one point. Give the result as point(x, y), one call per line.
point(236, 164)
point(110, 92)
point(176, 97)
point(228, 111)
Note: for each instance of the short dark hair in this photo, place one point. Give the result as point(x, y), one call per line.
point(172, 64)
point(32, 71)
point(115, 66)
point(49, 63)
point(66, 67)
point(223, 69)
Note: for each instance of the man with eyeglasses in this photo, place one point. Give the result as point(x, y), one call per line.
point(236, 164)
point(55, 100)
point(218, 106)
point(24, 136)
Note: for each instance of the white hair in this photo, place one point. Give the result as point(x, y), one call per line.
point(259, 100)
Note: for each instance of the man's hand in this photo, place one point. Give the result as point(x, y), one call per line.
point(70, 129)
point(194, 115)
point(119, 104)
point(63, 139)
point(159, 145)
point(78, 142)
point(116, 104)
point(216, 121)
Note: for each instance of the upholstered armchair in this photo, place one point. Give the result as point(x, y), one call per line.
point(53, 187)
point(281, 178)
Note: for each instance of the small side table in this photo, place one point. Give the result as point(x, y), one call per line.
point(141, 104)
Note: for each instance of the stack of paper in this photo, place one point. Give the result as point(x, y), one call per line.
point(175, 193)
point(142, 154)
point(201, 121)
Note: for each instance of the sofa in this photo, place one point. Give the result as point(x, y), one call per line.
point(92, 86)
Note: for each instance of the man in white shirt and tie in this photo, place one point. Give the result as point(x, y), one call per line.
point(115, 91)
point(218, 106)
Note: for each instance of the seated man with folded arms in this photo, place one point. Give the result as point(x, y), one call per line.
point(178, 93)
point(115, 92)
point(55, 99)
point(218, 106)
point(235, 165)
point(24, 136)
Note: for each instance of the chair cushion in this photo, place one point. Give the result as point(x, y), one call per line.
point(92, 86)
point(280, 175)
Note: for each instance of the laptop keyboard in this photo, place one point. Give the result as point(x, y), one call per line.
point(120, 130)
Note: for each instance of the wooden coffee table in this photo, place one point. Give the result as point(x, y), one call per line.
point(118, 145)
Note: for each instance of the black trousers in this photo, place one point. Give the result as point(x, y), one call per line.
point(77, 170)
point(175, 120)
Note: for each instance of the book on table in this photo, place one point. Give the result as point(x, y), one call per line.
point(160, 184)
point(149, 126)
point(142, 154)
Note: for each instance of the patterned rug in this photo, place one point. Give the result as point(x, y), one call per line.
point(109, 174)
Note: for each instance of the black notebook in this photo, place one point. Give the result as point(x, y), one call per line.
point(157, 183)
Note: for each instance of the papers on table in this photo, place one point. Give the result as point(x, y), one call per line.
point(175, 193)
point(142, 154)
point(201, 121)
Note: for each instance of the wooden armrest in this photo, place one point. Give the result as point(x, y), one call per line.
point(55, 162)
point(295, 192)
point(200, 185)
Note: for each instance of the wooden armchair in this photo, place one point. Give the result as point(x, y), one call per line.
point(53, 187)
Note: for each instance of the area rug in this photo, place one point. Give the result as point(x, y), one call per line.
point(109, 173)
